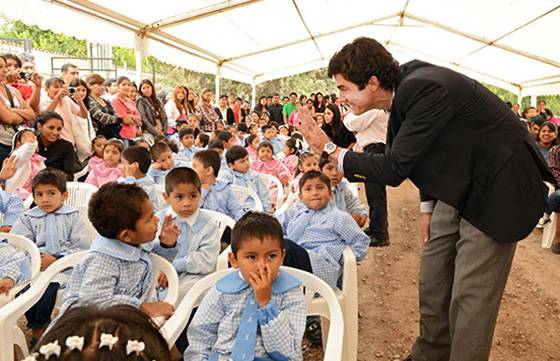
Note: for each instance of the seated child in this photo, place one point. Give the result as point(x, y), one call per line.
point(239, 173)
point(218, 146)
point(135, 164)
point(118, 270)
point(269, 134)
point(57, 229)
point(202, 140)
point(251, 144)
point(93, 332)
point(227, 138)
point(268, 165)
point(109, 170)
point(198, 245)
point(162, 162)
point(184, 157)
point(29, 163)
point(216, 194)
point(323, 230)
point(98, 145)
point(174, 138)
point(289, 157)
point(11, 207)
point(15, 267)
point(342, 196)
point(259, 302)
point(307, 161)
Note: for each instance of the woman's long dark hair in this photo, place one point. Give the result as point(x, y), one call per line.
point(335, 125)
point(152, 98)
point(76, 83)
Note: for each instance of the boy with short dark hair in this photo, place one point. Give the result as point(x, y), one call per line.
point(135, 165)
point(269, 134)
point(184, 157)
point(342, 196)
point(239, 172)
point(217, 195)
point(218, 146)
point(162, 162)
point(202, 140)
point(323, 230)
point(57, 229)
point(259, 302)
point(227, 139)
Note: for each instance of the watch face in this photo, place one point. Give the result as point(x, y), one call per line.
point(330, 147)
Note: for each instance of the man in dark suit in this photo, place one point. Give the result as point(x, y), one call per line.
point(467, 153)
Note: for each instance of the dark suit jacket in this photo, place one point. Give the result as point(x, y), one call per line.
point(230, 118)
point(459, 143)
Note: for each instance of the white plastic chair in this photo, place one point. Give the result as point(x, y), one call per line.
point(353, 188)
point(81, 173)
point(10, 313)
point(79, 194)
point(242, 193)
point(549, 229)
point(288, 203)
point(313, 285)
point(223, 220)
point(271, 181)
point(222, 263)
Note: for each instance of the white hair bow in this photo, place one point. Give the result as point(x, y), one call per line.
point(50, 349)
point(134, 346)
point(108, 340)
point(31, 357)
point(75, 343)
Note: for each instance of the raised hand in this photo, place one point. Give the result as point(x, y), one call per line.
point(169, 232)
point(9, 167)
point(261, 282)
point(315, 136)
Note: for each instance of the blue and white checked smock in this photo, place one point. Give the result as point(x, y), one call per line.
point(221, 199)
point(114, 273)
point(281, 324)
point(345, 200)
point(184, 157)
point(251, 180)
point(149, 186)
point(277, 143)
point(72, 235)
point(158, 175)
point(10, 207)
point(14, 263)
point(324, 234)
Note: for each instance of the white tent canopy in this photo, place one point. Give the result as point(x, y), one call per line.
point(509, 43)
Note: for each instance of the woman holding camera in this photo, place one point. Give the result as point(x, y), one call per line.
point(13, 112)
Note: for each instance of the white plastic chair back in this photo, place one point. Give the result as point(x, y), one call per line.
point(222, 263)
point(223, 220)
point(549, 229)
point(271, 182)
point(30, 247)
point(10, 313)
point(160, 189)
point(242, 193)
point(81, 173)
point(313, 285)
point(289, 203)
point(78, 195)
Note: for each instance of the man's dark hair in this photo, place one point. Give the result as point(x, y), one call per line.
point(256, 225)
point(65, 67)
point(266, 127)
point(186, 131)
point(235, 153)
point(224, 136)
point(362, 59)
point(285, 98)
point(116, 207)
point(209, 158)
point(242, 127)
point(537, 119)
point(13, 57)
point(50, 176)
point(51, 81)
point(158, 149)
point(181, 175)
point(203, 138)
point(223, 97)
point(139, 155)
point(216, 144)
point(107, 83)
point(313, 174)
point(293, 93)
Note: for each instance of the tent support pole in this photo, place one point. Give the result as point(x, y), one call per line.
point(217, 82)
point(253, 93)
point(140, 54)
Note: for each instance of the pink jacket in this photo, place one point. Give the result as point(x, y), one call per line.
point(94, 162)
point(290, 162)
point(252, 154)
point(102, 174)
point(125, 107)
point(273, 167)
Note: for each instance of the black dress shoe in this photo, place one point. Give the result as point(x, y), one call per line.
point(374, 242)
point(408, 358)
point(555, 248)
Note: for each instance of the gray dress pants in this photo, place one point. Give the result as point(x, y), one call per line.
point(463, 274)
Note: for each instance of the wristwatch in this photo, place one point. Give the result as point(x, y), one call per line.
point(329, 148)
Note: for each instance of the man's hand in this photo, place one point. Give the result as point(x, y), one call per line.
point(156, 309)
point(425, 228)
point(169, 232)
point(46, 261)
point(315, 136)
point(9, 167)
point(261, 282)
point(6, 285)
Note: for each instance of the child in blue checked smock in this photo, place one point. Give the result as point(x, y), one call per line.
point(198, 245)
point(10, 208)
point(163, 162)
point(323, 230)
point(15, 267)
point(239, 172)
point(57, 229)
point(342, 196)
point(255, 313)
point(186, 153)
point(217, 195)
point(135, 163)
point(118, 270)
